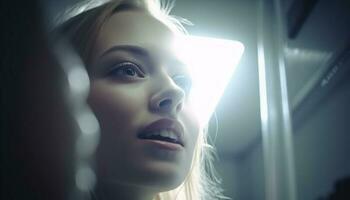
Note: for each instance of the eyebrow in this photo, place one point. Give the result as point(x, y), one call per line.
point(128, 48)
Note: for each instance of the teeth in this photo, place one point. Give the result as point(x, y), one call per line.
point(164, 133)
point(169, 134)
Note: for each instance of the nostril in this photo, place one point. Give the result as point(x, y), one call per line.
point(179, 107)
point(165, 103)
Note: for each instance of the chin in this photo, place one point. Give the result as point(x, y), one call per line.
point(164, 179)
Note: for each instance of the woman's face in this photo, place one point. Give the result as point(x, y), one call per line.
point(139, 95)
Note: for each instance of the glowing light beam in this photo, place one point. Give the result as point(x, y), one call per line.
point(212, 63)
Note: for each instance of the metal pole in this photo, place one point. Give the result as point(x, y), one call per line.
point(274, 105)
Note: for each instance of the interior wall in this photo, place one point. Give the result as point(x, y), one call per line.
point(321, 146)
point(243, 177)
point(228, 172)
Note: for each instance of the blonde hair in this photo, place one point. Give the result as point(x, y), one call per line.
point(88, 17)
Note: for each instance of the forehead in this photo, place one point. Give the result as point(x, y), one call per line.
point(134, 27)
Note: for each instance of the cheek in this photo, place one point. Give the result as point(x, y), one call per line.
point(192, 126)
point(114, 105)
point(119, 109)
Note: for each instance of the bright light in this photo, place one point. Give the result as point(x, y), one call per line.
point(212, 63)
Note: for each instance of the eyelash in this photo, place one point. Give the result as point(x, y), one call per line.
point(119, 71)
point(182, 81)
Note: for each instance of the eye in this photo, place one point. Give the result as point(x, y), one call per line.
point(184, 82)
point(127, 70)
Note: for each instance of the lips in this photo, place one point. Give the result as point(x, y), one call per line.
point(166, 130)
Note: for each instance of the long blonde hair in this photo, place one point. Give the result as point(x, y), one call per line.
point(80, 25)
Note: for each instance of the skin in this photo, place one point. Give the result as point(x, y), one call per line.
point(127, 100)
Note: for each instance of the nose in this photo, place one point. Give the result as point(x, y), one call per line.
point(168, 99)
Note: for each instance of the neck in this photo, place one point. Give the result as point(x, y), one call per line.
point(115, 191)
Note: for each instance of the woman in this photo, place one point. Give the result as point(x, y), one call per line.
point(151, 145)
